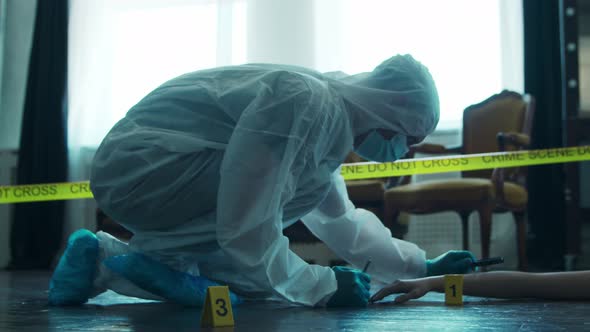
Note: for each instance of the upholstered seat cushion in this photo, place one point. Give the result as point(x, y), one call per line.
point(438, 195)
point(516, 196)
point(365, 190)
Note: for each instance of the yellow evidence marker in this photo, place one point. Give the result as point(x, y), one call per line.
point(454, 289)
point(217, 309)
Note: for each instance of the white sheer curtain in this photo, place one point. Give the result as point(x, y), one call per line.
point(473, 48)
point(122, 49)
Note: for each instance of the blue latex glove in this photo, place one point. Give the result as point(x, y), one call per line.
point(72, 279)
point(353, 288)
point(161, 280)
point(451, 262)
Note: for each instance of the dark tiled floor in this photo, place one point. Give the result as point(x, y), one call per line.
point(23, 308)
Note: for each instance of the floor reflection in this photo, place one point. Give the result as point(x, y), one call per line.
point(23, 307)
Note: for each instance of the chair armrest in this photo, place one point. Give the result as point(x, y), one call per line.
point(396, 181)
point(426, 148)
point(498, 182)
point(514, 139)
point(431, 148)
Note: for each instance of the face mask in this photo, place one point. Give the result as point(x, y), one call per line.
point(376, 148)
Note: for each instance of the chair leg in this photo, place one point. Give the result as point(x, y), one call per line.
point(391, 220)
point(485, 223)
point(397, 230)
point(519, 218)
point(465, 225)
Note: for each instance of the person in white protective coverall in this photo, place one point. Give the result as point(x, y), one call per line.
point(208, 169)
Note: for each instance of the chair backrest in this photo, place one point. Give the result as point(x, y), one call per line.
point(506, 112)
point(353, 158)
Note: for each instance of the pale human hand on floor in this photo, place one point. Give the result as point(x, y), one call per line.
point(410, 289)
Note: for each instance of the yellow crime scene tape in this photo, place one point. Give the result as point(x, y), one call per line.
point(356, 171)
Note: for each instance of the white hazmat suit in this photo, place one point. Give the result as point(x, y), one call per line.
point(208, 169)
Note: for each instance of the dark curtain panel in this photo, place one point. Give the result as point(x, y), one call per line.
point(546, 210)
point(37, 227)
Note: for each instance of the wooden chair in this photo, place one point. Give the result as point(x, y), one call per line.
point(500, 123)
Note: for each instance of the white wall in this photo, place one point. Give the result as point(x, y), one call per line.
point(584, 61)
point(280, 32)
point(7, 176)
point(584, 57)
point(18, 31)
point(2, 34)
point(19, 23)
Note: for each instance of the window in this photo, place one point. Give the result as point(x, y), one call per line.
point(122, 49)
point(472, 48)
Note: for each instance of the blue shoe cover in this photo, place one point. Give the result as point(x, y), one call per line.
point(71, 283)
point(161, 280)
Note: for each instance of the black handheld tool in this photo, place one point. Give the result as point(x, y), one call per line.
point(488, 261)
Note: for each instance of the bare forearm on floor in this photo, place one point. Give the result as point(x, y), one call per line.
point(508, 284)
